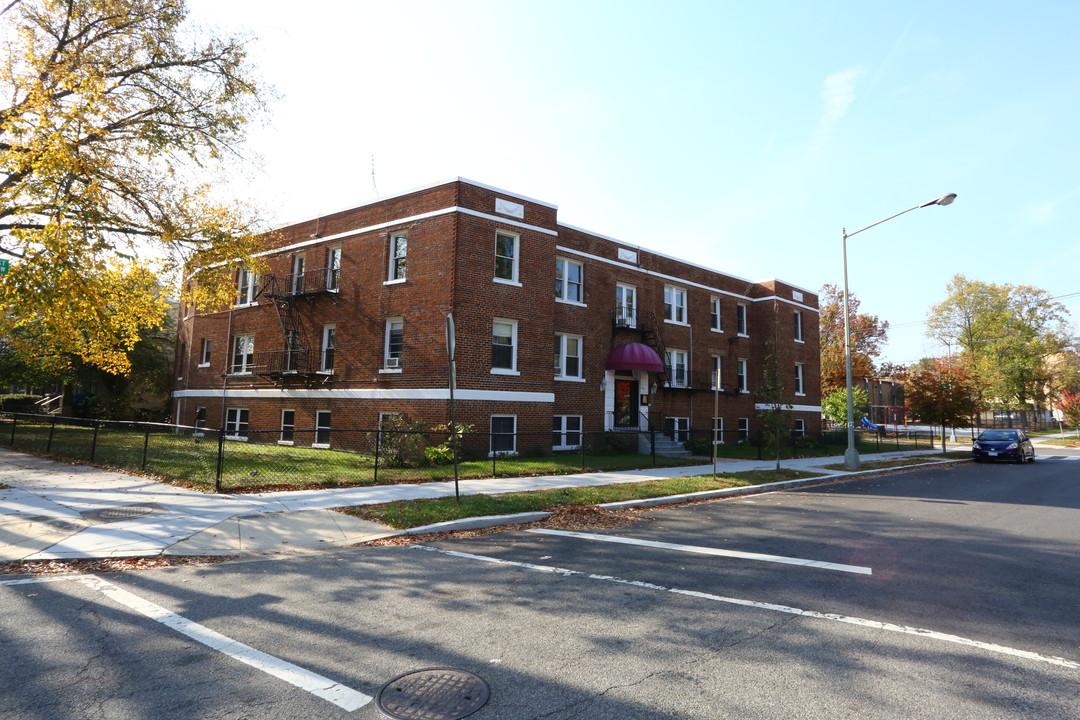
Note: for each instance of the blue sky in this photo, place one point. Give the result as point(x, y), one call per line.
point(742, 136)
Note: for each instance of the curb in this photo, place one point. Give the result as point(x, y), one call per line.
point(487, 521)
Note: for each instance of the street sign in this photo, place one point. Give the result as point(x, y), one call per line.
point(5, 265)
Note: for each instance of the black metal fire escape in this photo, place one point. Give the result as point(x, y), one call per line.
point(295, 360)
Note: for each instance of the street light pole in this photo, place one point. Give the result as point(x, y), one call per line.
point(851, 455)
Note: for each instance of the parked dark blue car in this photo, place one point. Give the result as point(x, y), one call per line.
point(1010, 445)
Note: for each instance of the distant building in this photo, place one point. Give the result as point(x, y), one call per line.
point(559, 330)
point(886, 400)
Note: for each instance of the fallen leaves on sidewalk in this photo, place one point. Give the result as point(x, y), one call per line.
point(104, 565)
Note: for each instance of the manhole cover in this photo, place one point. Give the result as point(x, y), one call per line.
point(123, 512)
point(433, 694)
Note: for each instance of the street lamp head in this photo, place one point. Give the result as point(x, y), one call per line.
point(943, 200)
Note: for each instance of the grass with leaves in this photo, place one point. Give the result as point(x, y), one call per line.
point(404, 514)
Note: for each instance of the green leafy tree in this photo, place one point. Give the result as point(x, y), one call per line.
point(1011, 333)
point(868, 334)
point(943, 391)
point(834, 405)
point(112, 110)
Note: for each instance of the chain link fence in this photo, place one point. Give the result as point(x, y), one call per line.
point(267, 460)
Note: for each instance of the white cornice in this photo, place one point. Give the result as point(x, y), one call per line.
point(421, 188)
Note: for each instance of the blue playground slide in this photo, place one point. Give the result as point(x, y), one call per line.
point(869, 425)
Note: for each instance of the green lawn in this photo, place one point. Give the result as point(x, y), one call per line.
point(405, 514)
point(1061, 442)
point(261, 466)
point(251, 466)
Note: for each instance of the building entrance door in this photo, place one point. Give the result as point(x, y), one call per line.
point(626, 404)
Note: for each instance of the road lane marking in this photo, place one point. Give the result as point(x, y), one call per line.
point(708, 551)
point(345, 698)
point(861, 622)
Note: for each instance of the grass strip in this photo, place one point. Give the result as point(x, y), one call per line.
point(1061, 442)
point(404, 514)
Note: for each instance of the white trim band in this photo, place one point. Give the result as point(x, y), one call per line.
point(783, 406)
point(347, 394)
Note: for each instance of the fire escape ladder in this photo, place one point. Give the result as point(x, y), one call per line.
point(294, 356)
point(650, 333)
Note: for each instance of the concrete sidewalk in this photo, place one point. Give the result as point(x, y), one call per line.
point(54, 511)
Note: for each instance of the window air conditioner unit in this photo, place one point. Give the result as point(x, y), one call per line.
point(393, 362)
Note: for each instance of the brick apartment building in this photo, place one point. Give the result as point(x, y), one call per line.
point(559, 331)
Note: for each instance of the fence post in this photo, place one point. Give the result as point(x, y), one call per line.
point(581, 439)
point(378, 443)
point(93, 442)
point(52, 429)
point(220, 459)
point(145, 447)
point(494, 455)
point(652, 445)
point(14, 420)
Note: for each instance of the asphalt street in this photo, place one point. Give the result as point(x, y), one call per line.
point(944, 593)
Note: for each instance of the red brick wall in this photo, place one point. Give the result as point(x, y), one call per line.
point(451, 268)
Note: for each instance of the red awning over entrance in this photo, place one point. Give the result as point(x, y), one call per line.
point(634, 356)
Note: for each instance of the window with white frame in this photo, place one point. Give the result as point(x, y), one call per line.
point(243, 360)
point(288, 426)
point(674, 304)
point(247, 287)
point(395, 331)
point(740, 319)
point(399, 250)
point(675, 360)
point(298, 275)
point(506, 256)
point(568, 281)
point(567, 357)
point(799, 387)
point(333, 269)
point(322, 429)
point(743, 376)
point(718, 430)
point(204, 356)
point(565, 432)
point(327, 348)
point(200, 419)
point(714, 314)
point(625, 305)
point(714, 373)
point(503, 434)
point(236, 423)
point(504, 346)
point(390, 424)
point(677, 428)
point(800, 427)
point(798, 326)
point(744, 429)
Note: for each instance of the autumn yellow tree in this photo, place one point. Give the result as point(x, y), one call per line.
point(113, 111)
point(868, 334)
